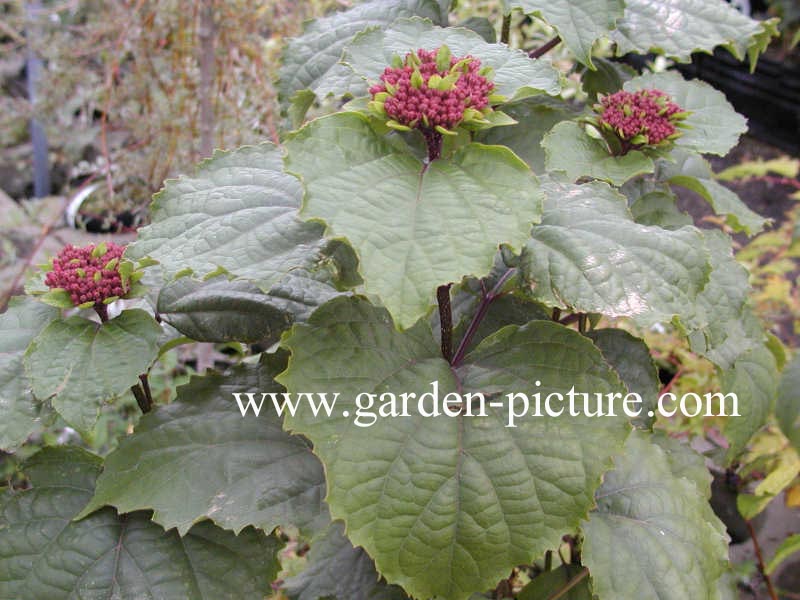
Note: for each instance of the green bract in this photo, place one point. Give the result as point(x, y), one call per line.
point(506, 255)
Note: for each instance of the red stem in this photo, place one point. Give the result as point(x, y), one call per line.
point(542, 50)
point(760, 558)
point(483, 308)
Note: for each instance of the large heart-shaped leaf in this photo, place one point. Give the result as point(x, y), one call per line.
point(569, 149)
point(787, 408)
point(693, 172)
point(311, 61)
point(580, 23)
point(414, 225)
point(515, 74)
point(77, 364)
point(589, 255)
point(45, 554)
point(720, 324)
point(237, 214)
point(630, 358)
point(754, 380)
point(685, 462)
point(338, 570)
point(220, 310)
point(714, 126)
point(447, 505)
point(653, 533)
point(19, 411)
point(199, 458)
point(679, 28)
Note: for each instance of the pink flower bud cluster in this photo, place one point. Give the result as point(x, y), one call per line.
point(648, 113)
point(426, 106)
point(76, 271)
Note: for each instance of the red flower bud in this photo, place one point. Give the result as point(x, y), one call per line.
point(647, 114)
point(84, 289)
point(414, 100)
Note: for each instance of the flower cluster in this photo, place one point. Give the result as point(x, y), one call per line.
point(646, 117)
point(433, 90)
point(89, 275)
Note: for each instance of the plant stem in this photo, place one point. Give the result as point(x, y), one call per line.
point(477, 318)
point(542, 50)
point(445, 320)
point(146, 388)
point(672, 381)
point(102, 312)
point(570, 584)
point(434, 141)
point(548, 560)
point(505, 32)
point(570, 319)
point(760, 558)
point(582, 322)
point(141, 399)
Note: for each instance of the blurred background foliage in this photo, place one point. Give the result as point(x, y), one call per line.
point(125, 84)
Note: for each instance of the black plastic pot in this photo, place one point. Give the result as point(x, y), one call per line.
point(769, 97)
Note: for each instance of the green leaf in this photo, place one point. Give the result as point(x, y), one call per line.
point(588, 255)
point(445, 505)
point(787, 409)
point(667, 543)
point(580, 23)
point(338, 570)
point(608, 77)
point(720, 325)
point(199, 458)
point(788, 547)
point(570, 149)
point(546, 584)
point(754, 380)
point(630, 358)
point(19, 411)
point(57, 298)
point(77, 364)
point(299, 104)
point(536, 116)
point(678, 28)
point(657, 208)
point(237, 214)
point(515, 74)
point(311, 61)
point(750, 506)
point(693, 172)
point(482, 26)
point(685, 462)
point(728, 585)
point(220, 310)
point(414, 226)
point(714, 126)
point(45, 554)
